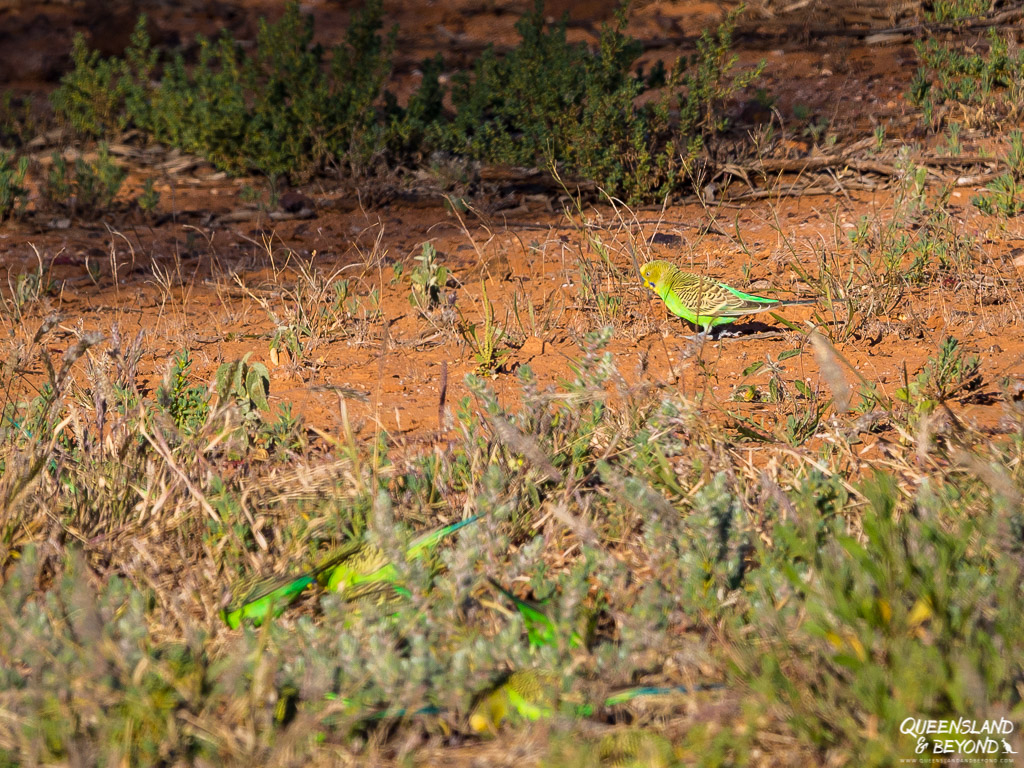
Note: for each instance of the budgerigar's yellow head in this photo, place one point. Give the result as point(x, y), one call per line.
point(489, 713)
point(653, 272)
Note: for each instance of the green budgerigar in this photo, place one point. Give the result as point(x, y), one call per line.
point(527, 694)
point(358, 570)
point(533, 694)
point(704, 302)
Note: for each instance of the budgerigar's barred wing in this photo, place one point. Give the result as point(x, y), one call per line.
point(709, 299)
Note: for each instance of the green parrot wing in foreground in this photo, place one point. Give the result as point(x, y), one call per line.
point(703, 302)
point(384, 714)
point(357, 570)
point(540, 630)
point(257, 601)
point(368, 571)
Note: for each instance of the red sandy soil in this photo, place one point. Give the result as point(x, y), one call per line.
point(194, 277)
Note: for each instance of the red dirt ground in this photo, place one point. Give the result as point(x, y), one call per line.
point(196, 280)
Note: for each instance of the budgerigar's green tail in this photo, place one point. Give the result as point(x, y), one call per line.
point(356, 570)
point(629, 694)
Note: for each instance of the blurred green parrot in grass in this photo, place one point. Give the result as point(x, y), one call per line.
point(532, 694)
point(358, 570)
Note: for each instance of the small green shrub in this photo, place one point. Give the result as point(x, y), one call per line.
point(243, 385)
point(1004, 197)
point(1005, 194)
point(946, 11)
point(428, 278)
point(17, 125)
point(149, 199)
point(95, 97)
point(485, 339)
point(87, 189)
point(187, 405)
point(987, 86)
point(949, 374)
point(13, 193)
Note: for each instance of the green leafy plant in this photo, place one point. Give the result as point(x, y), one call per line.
point(17, 125)
point(949, 374)
point(92, 97)
point(187, 405)
point(243, 385)
point(149, 199)
point(485, 340)
point(945, 11)
point(290, 338)
point(977, 87)
point(285, 434)
point(1004, 197)
point(777, 389)
point(428, 277)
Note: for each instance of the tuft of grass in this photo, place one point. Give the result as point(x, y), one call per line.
point(149, 199)
point(485, 338)
point(187, 405)
point(949, 374)
point(428, 277)
point(13, 193)
point(1005, 194)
